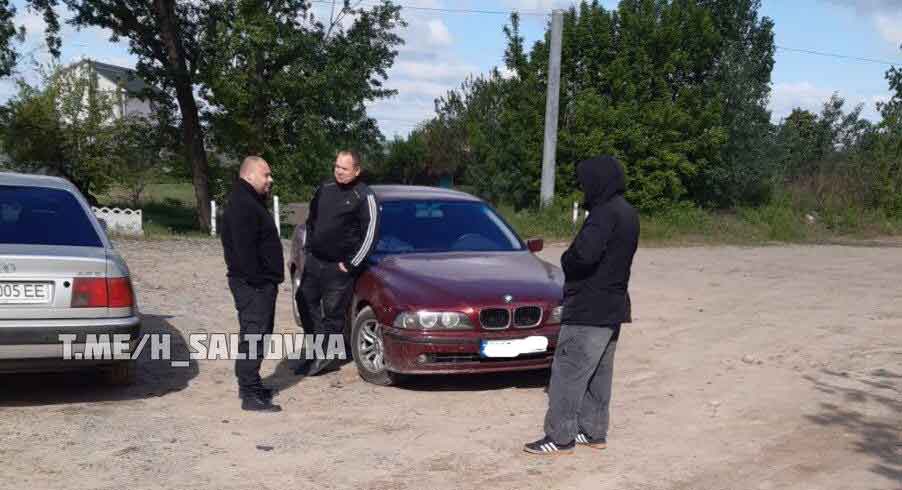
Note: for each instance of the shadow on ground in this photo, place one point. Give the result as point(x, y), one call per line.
point(477, 382)
point(859, 401)
point(154, 377)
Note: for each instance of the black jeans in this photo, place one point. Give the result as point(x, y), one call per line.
point(579, 394)
point(324, 297)
point(256, 307)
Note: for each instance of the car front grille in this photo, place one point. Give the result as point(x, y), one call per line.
point(500, 318)
point(527, 316)
point(495, 318)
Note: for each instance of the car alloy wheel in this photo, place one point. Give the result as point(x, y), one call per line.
point(370, 346)
point(369, 349)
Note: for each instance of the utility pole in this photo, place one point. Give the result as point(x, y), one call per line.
point(551, 108)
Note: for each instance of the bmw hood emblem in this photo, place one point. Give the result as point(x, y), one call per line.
point(508, 298)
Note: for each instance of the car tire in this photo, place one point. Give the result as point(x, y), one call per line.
point(121, 373)
point(368, 350)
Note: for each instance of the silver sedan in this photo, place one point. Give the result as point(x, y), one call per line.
point(66, 297)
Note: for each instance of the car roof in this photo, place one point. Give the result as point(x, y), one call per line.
point(34, 180)
point(415, 193)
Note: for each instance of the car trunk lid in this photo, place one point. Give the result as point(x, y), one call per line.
point(40, 281)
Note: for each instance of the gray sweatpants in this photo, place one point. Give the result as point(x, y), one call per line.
point(579, 394)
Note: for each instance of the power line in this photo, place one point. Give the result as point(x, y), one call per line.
point(836, 55)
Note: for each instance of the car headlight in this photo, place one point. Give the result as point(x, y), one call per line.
point(433, 320)
point(554, 318)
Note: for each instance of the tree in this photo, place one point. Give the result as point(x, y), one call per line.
point(163, 34)
point(62, 128)
point(740, 78)
point(283, 84)
point(404, 161)
point(886, 151)
point(8, 34)
point(140, 152)
point(634, 83)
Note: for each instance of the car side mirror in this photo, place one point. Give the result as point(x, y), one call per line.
point(535, 244)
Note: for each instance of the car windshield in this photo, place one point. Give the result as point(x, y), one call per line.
point(443, 226)
point(44, 216)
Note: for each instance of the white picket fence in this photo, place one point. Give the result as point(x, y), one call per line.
point(121, 221)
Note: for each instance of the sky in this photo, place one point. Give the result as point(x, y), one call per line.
point(442, 48)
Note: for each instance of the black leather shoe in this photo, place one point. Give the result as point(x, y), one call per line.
point(257, 403)
point(322, 366)
point(262, 391)
point(267, 393)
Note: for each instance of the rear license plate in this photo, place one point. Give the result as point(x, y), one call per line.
point(24, 293)
point(513, 347)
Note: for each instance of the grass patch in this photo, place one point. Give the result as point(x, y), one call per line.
point(173, 193)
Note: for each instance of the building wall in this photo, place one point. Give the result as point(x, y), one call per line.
point(128, 105)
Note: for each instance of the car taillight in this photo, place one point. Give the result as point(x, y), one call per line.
point(120, 289)
point(115, 292)
point(89, 293)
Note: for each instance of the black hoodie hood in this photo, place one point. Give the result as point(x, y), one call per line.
point(600, 179)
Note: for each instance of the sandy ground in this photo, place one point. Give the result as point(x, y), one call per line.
point(746, 368)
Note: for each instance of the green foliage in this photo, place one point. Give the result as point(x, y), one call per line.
point(404, 161)
point(282, 84)
point(139, 153)
point(645, 82)
point(9, 34)
point(64, 128)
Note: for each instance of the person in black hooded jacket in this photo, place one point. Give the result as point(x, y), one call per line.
point(596, 302)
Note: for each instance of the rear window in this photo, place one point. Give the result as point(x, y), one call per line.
point(42, 216)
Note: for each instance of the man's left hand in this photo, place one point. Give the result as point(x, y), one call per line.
point(341, 265)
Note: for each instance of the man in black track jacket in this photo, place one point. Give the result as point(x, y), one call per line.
point(596, 302)
point(341, 232)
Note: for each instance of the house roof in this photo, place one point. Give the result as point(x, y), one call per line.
point(126, 77)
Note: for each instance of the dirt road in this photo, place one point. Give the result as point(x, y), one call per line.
point(757, 368)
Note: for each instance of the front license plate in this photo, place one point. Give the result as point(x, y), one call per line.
point(24, 293)
point(513, 347)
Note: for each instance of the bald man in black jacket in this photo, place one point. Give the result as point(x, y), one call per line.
point(256, 267)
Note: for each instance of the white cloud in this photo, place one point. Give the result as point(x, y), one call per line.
point(438, 33)
point(33, 22)
point(537, 5)
point(451, 72)
point(890, 27)
point(870, 6)
point(425, 69)
point(788, 96)
point(886, 15)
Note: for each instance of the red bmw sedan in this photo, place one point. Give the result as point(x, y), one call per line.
point(449, 288)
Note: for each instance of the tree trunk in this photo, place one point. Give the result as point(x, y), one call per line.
point(192, 135)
